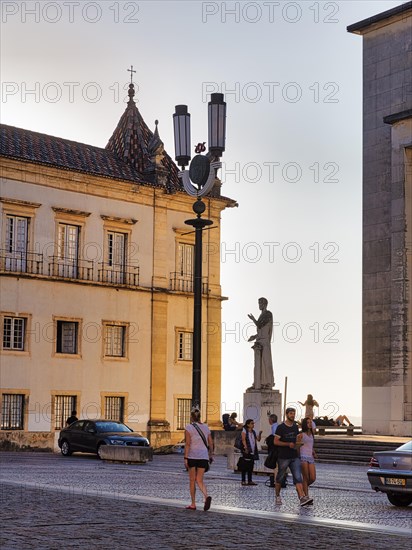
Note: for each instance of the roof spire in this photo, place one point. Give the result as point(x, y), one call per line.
point(131, 71)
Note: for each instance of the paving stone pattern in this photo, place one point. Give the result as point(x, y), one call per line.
point(34, 519)
point(34, 516)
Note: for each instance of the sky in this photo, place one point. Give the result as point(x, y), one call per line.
point(292, 78)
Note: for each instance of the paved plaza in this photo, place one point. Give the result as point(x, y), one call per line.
point(48, 501)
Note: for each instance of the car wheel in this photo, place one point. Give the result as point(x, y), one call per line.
point(98, 450)
point(400, 500)
point(65, 448)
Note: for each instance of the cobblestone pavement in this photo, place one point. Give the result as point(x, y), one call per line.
point(48, 501)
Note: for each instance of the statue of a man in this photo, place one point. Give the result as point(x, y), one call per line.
point(263, 370)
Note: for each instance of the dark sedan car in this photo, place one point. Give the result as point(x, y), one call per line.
point(391, 472)
point(87, 436)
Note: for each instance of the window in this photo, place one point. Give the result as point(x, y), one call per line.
point(184, 406)
point(13, 333)
point(67, 249)
point(12, 417)
point(63, 407)
point(185, 258)
point(67, 335)
point(16, 234)
point(116, 248)
point(68, 240)
point(114, 408)
point(115, 267)
point(182, 279)
point(16, 243)
point(115, 341)
point(184, 345)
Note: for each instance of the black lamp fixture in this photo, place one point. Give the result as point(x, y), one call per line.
point(181, 125)
point(202, 173)
point(217, 125)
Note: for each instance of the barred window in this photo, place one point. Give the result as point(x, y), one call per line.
point(13, 333)
point(184, 346)
point(12, 413)
point(184, 406)
point(114, 408)
point(67, 337)
point(115, 341)
point(63, 407)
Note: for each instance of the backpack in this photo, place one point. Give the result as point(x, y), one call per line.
point(238, 441)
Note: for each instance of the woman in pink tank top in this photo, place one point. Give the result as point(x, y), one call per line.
point(305, 441)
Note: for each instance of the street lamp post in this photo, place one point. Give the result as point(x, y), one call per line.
point(198, 182)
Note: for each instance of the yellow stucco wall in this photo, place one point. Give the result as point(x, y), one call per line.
point(150, 377)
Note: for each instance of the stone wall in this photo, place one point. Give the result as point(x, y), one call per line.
point(386, 357)
point(20, 440)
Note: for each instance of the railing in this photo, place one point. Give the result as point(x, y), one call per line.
point(115, 274)
point(67, 268)
point(185, 283)
point(21, 262)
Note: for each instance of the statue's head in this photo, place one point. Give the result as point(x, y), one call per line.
point(263, 303)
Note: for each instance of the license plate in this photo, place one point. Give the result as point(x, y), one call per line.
point(395, 481)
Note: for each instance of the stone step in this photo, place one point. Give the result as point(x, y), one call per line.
point(350, 451)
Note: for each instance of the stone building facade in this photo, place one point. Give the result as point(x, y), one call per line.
point(96, 275)
point(387, 221)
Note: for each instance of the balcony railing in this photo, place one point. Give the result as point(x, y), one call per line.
point(67, 268)
point(21, 262)
point(185, 283)
point(118, 275)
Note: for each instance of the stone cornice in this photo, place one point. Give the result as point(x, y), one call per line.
point(127, 221)
point(17, 202)
point(59, 210)
point(398, 117)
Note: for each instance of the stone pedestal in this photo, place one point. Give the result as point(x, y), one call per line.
point(259, 404)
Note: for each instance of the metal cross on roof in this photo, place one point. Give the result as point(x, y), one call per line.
point(131, 71)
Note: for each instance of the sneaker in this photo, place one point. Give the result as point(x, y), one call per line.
point(252, 483)
point(304, 501)
point(278, 501)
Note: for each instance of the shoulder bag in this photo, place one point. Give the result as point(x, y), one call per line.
point(202, 435)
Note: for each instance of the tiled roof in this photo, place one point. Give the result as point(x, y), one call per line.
point(127, 157)
point(20, 144)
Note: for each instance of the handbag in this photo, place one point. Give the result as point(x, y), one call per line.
point(202, 435)
point(244, 462)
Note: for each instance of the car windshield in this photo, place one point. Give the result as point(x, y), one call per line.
point(405, 446)
point(105, 427)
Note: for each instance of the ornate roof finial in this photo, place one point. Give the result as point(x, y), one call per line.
point(156, 144)
point(131, 71)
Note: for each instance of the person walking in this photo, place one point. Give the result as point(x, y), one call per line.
point(307, 454)
point(285, 438)
point(198, 455)
point(249, 451)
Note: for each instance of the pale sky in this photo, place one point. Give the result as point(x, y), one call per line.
point(292, 77)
